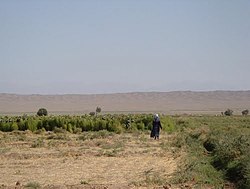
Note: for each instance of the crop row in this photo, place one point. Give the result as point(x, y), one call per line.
point(73, 124)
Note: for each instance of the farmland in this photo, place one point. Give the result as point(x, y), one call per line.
point(115, 151)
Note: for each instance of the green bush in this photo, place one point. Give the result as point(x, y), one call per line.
point(31, 124)
point(168, 124)
point(5, 126)
point(245, 112)
point(69, 128)
point(140, 126)
point(114, 126)
point(228, 112)
point(42, 112)
point(14, 126)
point(92, 113)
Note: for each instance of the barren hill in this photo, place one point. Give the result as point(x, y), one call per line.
point(166, 102)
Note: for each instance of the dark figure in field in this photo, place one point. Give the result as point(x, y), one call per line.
point(155, 132)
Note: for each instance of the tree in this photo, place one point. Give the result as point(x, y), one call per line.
point(91, 113)
point(228, 112)
point(42, 112)
point(98, 110)
point(245, 112)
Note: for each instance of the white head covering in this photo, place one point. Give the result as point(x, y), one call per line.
point(156, 116)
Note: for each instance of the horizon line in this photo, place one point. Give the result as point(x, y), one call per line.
point(128, 92)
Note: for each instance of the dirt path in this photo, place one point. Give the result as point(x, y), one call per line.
point(66, 161)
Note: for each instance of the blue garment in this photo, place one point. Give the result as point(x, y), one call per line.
point(155, 132)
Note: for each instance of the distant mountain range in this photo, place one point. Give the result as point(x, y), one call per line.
point(178, 102)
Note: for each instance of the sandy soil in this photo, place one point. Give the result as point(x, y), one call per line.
point(67, 161)
point(167, 102)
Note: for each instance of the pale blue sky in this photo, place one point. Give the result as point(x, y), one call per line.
point(90, 46)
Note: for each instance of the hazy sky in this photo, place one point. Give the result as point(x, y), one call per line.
point(105, 46)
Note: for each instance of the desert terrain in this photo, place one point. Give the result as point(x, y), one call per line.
point(212, 102)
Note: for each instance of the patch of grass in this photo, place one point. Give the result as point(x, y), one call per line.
point(22, 137)
point(111, 149)
point(58, 136)
point(4, 150)
point(38, 143)
point(197, 169)
point(33, 185)
point(231, 155)
point(111, 153)
point(143, 138)
point(40, 131)
point(84, 182)
point(59, 130)
point(155, 179)
point(165, 146)
point(151, 178)
point(102, 134)
point(115, 145)
point(217, 150)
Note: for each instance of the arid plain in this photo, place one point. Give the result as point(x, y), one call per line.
point(102, 159)
point(212, 102)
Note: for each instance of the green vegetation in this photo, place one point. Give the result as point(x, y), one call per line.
point(32, 185)
point(228, 112)
point(245, 112)
point(42, 112)
point(214, 150)
point(217, 148)
point(76, 124)
point(98, 110)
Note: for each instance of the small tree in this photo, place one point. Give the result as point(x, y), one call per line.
point(228, 112)
point(98, 110)
point(245, 112)
point(42, 112)
point(91, 113)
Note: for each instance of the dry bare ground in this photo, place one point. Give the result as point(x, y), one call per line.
point(212, 102)
point(92, 160)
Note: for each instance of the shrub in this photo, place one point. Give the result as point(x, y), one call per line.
point(21, 125)
point(5, 126)
point(115, 126)
point(228, 112)
point(91, 113)
point(69, 128)
point(99, 125)
point(31, 125)
point(168, 124)
point(98, 110)
point(14, 126)
point(148, 121)
point(42, 112)
point(245, 112)
point(140, 126)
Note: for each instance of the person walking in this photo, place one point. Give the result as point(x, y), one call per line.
point(155, 132)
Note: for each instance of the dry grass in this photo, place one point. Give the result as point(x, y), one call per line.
point(52, 160)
